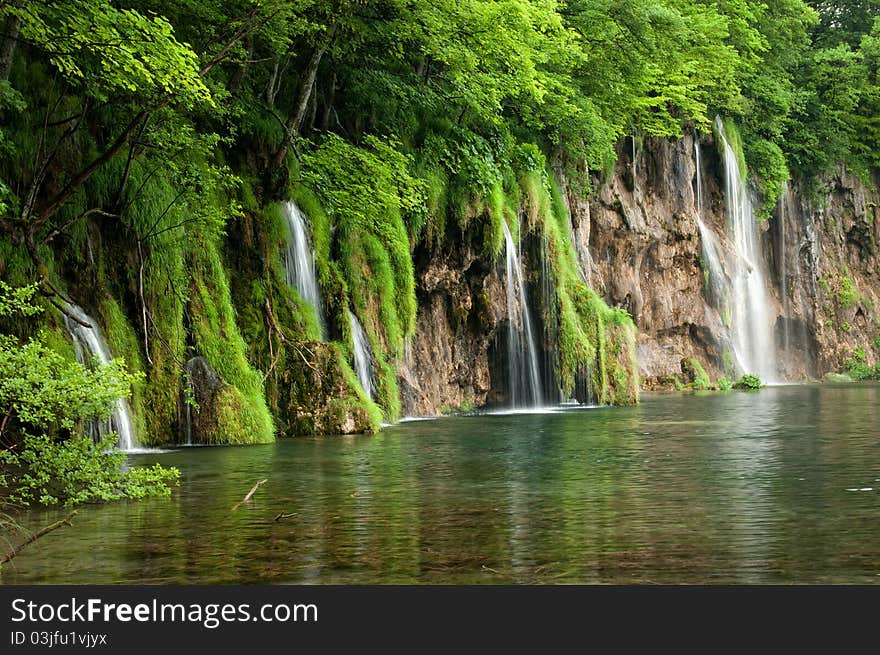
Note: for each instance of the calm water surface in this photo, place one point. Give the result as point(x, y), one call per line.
point(780, 486)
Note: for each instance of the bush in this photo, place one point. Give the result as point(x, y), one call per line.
point(724, 384)
point(46, 400)
point(749, 382)
point(78, 470)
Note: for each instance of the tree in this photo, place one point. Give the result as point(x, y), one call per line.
point(45, 400)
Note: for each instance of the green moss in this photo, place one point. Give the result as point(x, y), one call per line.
point(701, 378)
point(847, 294)
point(374, 412)
point(734, 139)
point(676, 383)
point(591, 335)
point(58, 340)
point(217, 338)
point(728, 363)
point(123, 342)
point(498, 212)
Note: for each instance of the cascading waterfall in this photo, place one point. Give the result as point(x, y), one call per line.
point(698, 162)
point(363, 358)
point(522, 356)
point(89, 343)
point(750, 326)
point(792, 280)
point(718, 284)
point(189, 399)
point(711, 249)
point(299, 262)
point(784, 204)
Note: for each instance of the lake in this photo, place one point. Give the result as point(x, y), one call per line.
point(776, 486)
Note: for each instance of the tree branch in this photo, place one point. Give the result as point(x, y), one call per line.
point(36, 535)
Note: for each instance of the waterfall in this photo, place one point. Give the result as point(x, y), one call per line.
point(299, 262)
point(89, 343)
point(750, 325)
point(717, 282)
point(188, 399)
point(784, 213)
point(363, 358)
point(522, 357)
point(794, 237)
point(699, 166)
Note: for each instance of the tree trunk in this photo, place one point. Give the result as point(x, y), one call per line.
point(312, 110)
point(237, 78)
point(271, 90)
point(328, 103)
point(301, 103)
point(7, 50)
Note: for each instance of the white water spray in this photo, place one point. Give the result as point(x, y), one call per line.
point(750, 323)
point(299, 262)
point(363, 358)
point(90, 343)
point(524, 379)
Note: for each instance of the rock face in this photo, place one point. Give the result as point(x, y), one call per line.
point(461, 308)
point(639, 245)
point(827, 272)
point(640, 242)
point(206, 389)
point(315, 398)
point(639, 239)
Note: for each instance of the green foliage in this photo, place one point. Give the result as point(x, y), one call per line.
point(110, 51)
point(847, 294)
point(724, 384)
point(369, 197)
point(18, 300)
point(728, 363)
point(45, 394)
point(424, 117)
point(244, 414)
point(748, 382)
point(701, 378)
point(78, 470)
point(676, 382)
point(858, 368)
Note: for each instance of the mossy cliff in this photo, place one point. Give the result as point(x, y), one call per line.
point(231, 353)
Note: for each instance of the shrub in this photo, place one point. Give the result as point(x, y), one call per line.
point(724, 384)
point(749, 382)
point(78, 470)
point(46, 400)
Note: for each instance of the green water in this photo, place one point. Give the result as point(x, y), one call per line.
point(715, 488)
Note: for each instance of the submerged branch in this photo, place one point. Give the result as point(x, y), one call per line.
point(36, 535)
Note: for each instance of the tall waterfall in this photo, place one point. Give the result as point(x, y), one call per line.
point(89, 343)
point(784, 214)
point(698, 162)
point(299, 262)
point(522, 356)
point(750, 324)
point(363, 358)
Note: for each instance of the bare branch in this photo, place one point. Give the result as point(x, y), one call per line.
point(36, 535)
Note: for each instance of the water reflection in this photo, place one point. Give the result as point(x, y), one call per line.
point(737, 487)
